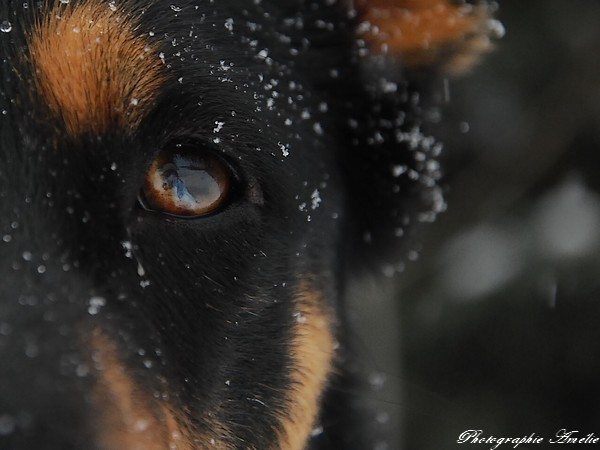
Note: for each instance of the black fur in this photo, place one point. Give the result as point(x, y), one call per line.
point(200, 302)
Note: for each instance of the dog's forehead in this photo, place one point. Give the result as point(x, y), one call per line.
point(91, 66)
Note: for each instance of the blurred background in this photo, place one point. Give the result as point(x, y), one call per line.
point(500, 315)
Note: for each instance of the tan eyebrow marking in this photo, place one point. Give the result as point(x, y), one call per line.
point(93, 68)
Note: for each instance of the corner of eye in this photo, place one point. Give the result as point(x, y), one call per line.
point(254, 193)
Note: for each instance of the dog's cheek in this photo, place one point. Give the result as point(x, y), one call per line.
point(312, 355)
point(128, 416)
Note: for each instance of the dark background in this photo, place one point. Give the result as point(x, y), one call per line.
point(500, 315)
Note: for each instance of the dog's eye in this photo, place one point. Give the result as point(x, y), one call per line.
point(186, 181)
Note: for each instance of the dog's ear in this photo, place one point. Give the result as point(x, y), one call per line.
point(404, 47)
point(446, 35)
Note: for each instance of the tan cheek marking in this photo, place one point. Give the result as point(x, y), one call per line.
point(92, 68)
point(425, 32)
point(313, 351)
point(126, 418)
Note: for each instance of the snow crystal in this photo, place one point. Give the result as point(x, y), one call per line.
point(300, 318)
point(377, 380)
point(285, 151)
point(317, 431)
point(567, 221)
point(315, 199)
point(496, 28)
point(388, 87)
point(382, 417)
point(7, 424)
point(480, 261)
point(82, 370)
point(5, 328)
point(140, 425)
point(128, 247)
point(399, 170)
point(32, 350)
point(218, 127)
point(95, 304)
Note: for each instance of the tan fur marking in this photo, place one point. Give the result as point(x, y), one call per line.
point(129, 419)
point(92, 67)
point(425, 32)
point(313, 349)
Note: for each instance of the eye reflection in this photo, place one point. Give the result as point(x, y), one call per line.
point(186, 181)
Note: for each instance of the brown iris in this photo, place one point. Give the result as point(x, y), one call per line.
point(186, 181)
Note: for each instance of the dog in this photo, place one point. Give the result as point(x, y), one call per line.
point(186, 188)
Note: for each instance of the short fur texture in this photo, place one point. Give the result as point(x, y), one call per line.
point(123, 328)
